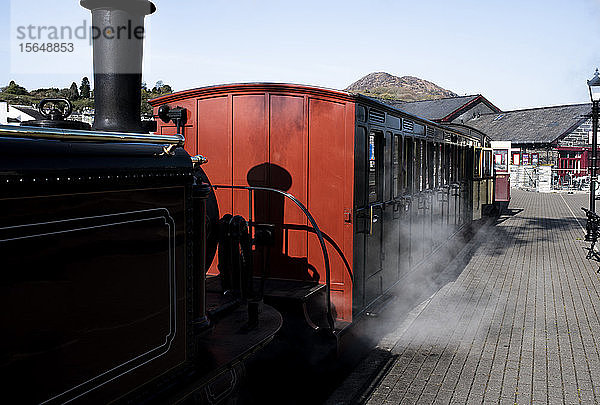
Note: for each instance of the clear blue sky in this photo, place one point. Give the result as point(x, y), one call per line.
point(517, 53)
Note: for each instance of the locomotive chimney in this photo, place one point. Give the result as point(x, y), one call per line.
point(118, 40)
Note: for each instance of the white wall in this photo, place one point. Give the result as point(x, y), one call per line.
point(12, 113)
point(3, 113)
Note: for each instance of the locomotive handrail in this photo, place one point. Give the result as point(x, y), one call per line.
point(318, 232)
point(88, 136)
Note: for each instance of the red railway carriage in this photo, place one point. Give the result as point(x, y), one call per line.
point(295, 138)
point(386, 188)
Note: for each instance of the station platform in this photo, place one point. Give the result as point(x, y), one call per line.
point(519, 323)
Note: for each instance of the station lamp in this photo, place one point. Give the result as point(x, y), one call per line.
point(594, 86)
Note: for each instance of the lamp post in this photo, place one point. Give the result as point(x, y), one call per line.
point(594, 86)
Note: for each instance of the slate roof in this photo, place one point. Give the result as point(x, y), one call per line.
point(532, 126)
point(433, 109)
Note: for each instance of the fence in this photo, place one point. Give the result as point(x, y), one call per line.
point(570, 179)
point(548, 178)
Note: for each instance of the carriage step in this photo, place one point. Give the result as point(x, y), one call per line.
point(290, 290)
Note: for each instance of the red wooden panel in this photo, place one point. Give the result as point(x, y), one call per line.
point(348, 200)
point(288, 158)
point(250, 147)
point(503, 187)
point(214, 142)
point(327, 185)
point(214, 138)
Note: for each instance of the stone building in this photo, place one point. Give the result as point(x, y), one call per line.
point(559, 135)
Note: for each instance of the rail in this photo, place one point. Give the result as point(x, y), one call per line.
point(11, 131)
point(318, 232)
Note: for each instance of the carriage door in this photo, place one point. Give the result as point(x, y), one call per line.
point(375, 199)
point(392, 209)
point(418, 206)
point(406, 187)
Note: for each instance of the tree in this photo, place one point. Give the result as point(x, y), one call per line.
point(64, 93)
point(166, 89)
point(160, 89)
point(14, 88)
point(73, 92)
point(159, 85)
point(85, 89)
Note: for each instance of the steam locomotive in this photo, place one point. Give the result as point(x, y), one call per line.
point(102, 237)
point(130, 278)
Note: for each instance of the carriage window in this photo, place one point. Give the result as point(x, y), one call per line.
point(423, 165)
point(430, 165)
point(423, 152)
point(436, 171)
point(396, 174)
point(440, 150)
point(407, 164)
point(487, 163)
point(477, 163)
point(460, 160)
point(453, 163)
point(442, 173)
point(434, 164)
point(374, 154)
point(447, 163)
point(501, 160)
point(418, 175)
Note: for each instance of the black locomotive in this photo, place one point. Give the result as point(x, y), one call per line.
point(102, 238)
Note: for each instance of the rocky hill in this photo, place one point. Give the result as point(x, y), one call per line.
point(405, 88)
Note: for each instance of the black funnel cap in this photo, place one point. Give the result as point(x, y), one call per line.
point(118, 36)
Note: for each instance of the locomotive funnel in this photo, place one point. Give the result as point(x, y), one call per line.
point(118, 39)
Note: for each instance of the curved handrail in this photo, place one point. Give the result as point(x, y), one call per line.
point(318, 232)
point(329, 239)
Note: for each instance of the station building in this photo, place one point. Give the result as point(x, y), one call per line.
point(559, 136)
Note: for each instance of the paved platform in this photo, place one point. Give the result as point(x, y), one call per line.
point(519, 325)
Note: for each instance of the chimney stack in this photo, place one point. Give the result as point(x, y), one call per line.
point(118, 39)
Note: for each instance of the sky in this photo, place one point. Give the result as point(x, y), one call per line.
point(518, 54)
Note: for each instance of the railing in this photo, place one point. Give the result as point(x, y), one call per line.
point(547, 178)
point(570, 179)
point(318, 232)
point(88, 136)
